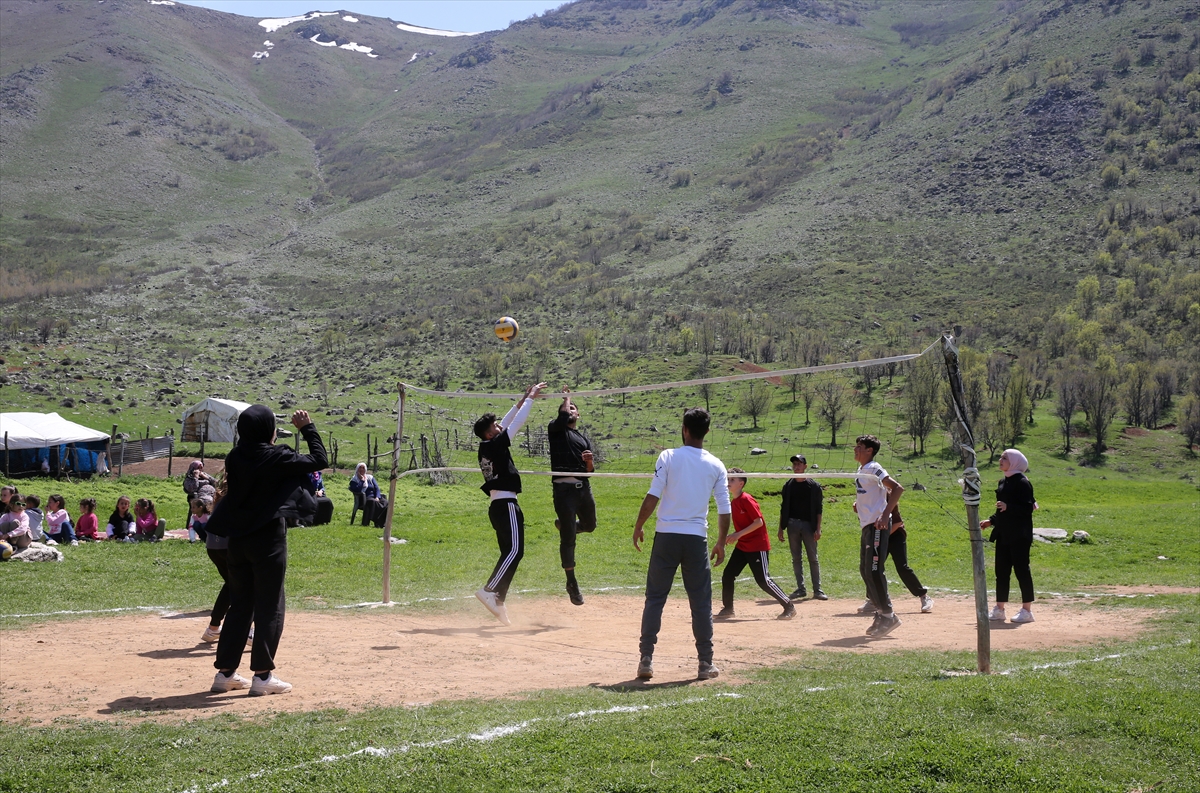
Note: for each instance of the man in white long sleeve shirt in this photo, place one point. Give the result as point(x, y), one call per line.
point(502, 483)
point(684, 480)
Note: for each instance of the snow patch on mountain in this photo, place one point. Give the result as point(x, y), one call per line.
point(273, 25)
point(432, 32)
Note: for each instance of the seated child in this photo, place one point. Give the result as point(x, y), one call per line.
point(121, 523)
point(58, 522)
point(14, 525)
point(34, 513)
point(201, 508)
point(88, 528)
point(147, 525)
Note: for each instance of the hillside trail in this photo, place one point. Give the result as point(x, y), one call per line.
point(154, 665)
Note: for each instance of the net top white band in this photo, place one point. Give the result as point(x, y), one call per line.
point(633, 389)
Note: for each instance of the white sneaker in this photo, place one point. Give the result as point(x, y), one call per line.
point(272, 685)
point(1022, 616)
point(250, 638)
point(493, 604)
point(926, 604)
point(867, 608)
point(707, 671)
point(51, 542)
point(997, 614)
point(234, 682)
point(74, 543)
point(210, 635)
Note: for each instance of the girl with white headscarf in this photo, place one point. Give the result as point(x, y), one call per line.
point(1013, 534)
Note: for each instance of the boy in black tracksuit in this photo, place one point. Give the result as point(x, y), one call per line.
point(800, 516)
point(571, 452)
point(502, 483)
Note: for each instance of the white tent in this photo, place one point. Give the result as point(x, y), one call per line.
point(218, 415)
point(41, 430)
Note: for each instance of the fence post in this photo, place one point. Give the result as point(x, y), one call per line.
point(170, 451)
point(6, 473)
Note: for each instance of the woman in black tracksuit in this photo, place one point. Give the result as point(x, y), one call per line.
point(267, 493)
point(1012, 532)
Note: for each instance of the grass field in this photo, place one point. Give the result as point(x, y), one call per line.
point(1119, 717)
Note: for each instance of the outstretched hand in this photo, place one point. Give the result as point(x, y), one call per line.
point(300, 419)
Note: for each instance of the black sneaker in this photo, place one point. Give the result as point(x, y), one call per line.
point(789, 611)
point(574, 593)
point(819, 595)
point(724, 614)
point(799, 594)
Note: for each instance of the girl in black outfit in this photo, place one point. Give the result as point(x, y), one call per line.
point(266, 495)
point(1013, 534)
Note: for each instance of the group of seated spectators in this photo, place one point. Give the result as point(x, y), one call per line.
point(23, 521)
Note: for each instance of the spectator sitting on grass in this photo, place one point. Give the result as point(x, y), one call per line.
point(6, 494)
point(149, 527)
point(121, 523)
point(14, 524)
point(58, 522)
point(88, 528)
point(34, 513)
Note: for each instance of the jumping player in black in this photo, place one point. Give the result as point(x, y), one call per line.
point(502, 483)
point(571, 452)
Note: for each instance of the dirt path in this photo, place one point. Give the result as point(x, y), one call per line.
point(104, 668)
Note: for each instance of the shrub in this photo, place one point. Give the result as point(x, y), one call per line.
point(1122, 59)
point(1110, 175)
point(1146, 53)
point(681, 177)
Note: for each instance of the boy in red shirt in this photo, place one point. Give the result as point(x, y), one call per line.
point(753, 545)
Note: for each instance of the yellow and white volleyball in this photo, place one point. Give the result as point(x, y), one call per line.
point(507, 329)
point(6, 551)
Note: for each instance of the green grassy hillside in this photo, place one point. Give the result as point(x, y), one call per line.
point(772, 181)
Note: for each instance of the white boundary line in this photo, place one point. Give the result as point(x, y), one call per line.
point(505, 730)
point(489, 734)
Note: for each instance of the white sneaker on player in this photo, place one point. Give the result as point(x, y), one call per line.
point(493, 604)
point(926, 604)
point(1023, 616)
point(707, 671)
point(222, 684)
point(997, 614)
point(211, 635)
point(867, 608)
point(272, 685)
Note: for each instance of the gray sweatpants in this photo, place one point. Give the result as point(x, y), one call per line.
point(669, 553)
point(800, 541)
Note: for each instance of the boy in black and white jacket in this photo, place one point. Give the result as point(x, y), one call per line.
point(502, 483)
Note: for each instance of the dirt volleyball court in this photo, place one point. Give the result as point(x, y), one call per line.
point(113, 667)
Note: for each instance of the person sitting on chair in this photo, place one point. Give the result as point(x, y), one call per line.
point(374, 505)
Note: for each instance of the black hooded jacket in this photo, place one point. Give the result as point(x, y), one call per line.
point(266, 481)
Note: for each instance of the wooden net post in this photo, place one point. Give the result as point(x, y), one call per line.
point(971, 496)
point(391, 507)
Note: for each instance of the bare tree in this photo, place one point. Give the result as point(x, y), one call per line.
point(491, 364)
point(1137, 394)
point(1066, 405)
point(834, 407)
point(921, 400)
point(439, 370)
point(808, 395)
point(1098, 398)
point(45, 327)
point(1189, 419)
point(1013, 407)
point(755, 401)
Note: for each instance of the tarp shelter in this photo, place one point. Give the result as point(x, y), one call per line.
point(219, 416)
point(37, 438)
